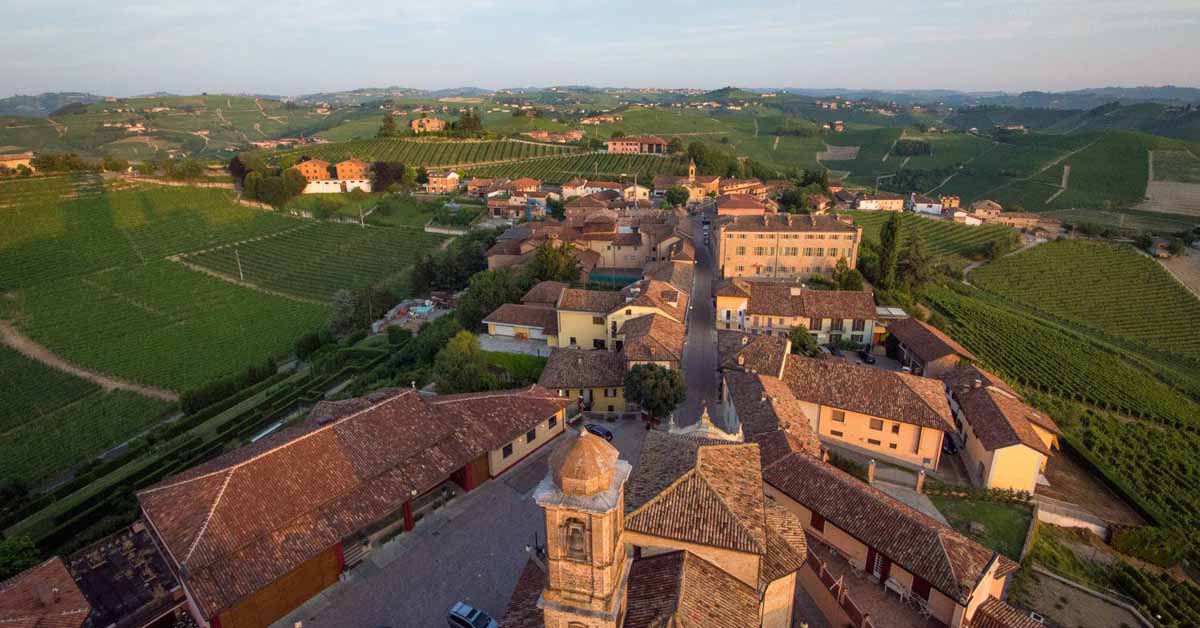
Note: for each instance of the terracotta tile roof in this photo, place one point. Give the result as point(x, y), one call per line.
point(652, 338)
point(997, 415)
point(242, 520)
point(685, 252)
point(504, 247)
point(44, 596)
point(786, 545)
point(868, 390)
point(628, 239)
point(522, 610)
point(657, 294)
point(789, 222)
point(682, 589)
point(926, 341)
point(740, 351)
point(772, 298)
point(586, 202)
point(525, 316)
point(994, 613)
point(588, 260)
point(739, 201)
point(717, 502)
point(765, 404)
point(583, 368)
point(545, 292)
point(598, 301)
point(680, 275)
point(950, 562)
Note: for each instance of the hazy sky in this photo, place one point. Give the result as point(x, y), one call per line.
point(291, 47)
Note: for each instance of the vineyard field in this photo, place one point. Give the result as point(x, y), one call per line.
point(1054, 361)
point(428, 153)
point(1109, 288)
point(316, 261)
point(593, 165)
point(944, 238)
point(163, 324)
point(102, 227)
point(75, 432)
point(33, 390)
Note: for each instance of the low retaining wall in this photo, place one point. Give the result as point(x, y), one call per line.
point(1067, 515)
point(1096, 594)
point(224, 185)
point(454, 231)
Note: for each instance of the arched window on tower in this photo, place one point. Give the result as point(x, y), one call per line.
point(576, 539)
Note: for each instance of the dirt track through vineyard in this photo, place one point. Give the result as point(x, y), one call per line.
point(24, 345)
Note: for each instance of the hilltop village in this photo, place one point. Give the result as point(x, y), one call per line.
point(683, 389)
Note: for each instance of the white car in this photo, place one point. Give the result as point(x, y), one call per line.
point(463, 615)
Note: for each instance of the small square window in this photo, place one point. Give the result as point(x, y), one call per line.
point(507, 451)
point(895, 428)
point(531, 435)
point(872, 441)
point(877, 424)
point(835, 433)
point(597, 320)
point(839, 416)
point(891, 445)
point(553, 422)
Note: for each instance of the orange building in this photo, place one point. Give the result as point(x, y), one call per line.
point(351, 169)
point(786, 246)
point(739, 205)
point(639, 144)
point(427, 125)
point(442, 182)
point(313, 169)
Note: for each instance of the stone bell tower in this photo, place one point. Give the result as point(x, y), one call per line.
point(587, 563)
point(691, 170)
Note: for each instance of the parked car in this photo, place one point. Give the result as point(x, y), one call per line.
point(463, 615)
point(866, 356)
point(949, 446)
point(599, 430)
point(836, 351)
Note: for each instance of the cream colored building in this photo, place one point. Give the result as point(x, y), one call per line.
point(774, 308)
point(785, 246)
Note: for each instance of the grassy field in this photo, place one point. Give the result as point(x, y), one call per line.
point(1176, 165)
point(958, 243)
point(317, 260)
point(1110, 173)
point(595, 166)
point(428, 153)
point(1004, 525)
point(33, 390)
point(873, 145)
point(1109, 288)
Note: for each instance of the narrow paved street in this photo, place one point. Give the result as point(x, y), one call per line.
point(700, 349)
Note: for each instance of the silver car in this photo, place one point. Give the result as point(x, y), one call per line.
point(463, 615)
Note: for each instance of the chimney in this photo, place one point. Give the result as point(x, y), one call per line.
point(921, 481)
point(978, 383)
point(745, 340)
point(871, 471)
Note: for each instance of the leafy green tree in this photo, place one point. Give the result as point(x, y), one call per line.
point(422, 175)
point(617, 134)
point(917, 263)
point(556, 208)
point(114, 164)
point(677, 196)
point(251, 184)
point(388, 127)
point(802, 341)
point(656, 389)
point(16, 555)
point(487, 291)
point(294, 182)
point(345, 315)
point(846, 278)
point(675, 146)
point(460, 366)
point(889, 252)
point(553, 263)
point(274, 191)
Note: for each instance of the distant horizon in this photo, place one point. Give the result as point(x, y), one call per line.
point(906, 90)
point(296, 47)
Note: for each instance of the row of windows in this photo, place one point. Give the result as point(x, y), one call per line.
point(530, 436)
point(835, 324)
point(791, 236)
point(792, 251)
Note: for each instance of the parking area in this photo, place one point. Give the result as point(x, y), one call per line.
point(472, 549)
